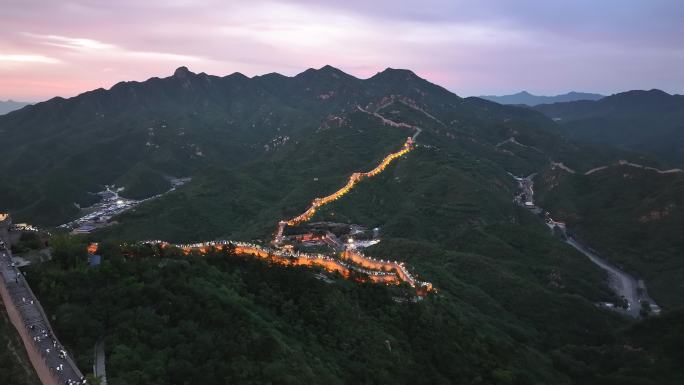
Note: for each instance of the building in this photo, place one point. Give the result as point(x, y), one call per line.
point(5, 223)
point(23, 227)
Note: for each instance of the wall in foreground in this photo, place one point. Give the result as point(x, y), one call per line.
point(39, 364)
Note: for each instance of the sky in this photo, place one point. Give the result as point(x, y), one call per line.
point(65, 47)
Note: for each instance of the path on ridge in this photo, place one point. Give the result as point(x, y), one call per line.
point(357, 176)
point(620, 162)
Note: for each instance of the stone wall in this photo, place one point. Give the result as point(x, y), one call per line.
point(39, 364)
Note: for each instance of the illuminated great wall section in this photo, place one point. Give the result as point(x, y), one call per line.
point(370, 269)
point(353, 180)
point(378, 271)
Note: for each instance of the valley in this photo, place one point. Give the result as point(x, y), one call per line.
point(627, 288)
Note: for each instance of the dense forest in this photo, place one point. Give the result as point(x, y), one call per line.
point(173, 319)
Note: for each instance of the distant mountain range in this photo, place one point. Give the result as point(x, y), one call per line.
point(646, 121)
point(10, 106)
point(529, 99)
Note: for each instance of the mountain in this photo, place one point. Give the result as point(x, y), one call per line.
point(514, 304)
point(138, 135)
point(11, 105)
point(527, 98)
point(650, 122)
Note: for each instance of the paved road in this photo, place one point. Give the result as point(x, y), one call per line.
point(99, 365)
point(622, 283)
point(36, 323)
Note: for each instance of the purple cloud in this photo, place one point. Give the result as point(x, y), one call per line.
point(492, 46)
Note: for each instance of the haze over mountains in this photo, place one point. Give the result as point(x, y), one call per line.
point(11, 105)
point(649, 122)
point(528, 99)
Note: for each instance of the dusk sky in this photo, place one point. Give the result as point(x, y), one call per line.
point(65, 47)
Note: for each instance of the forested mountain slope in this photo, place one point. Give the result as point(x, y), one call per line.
point(650, 122)
point(140, 134)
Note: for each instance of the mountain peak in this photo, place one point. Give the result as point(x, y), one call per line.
point(397, 72)
point(182, 72)
point(641, 94)
point(329, 68)
point(327, 71)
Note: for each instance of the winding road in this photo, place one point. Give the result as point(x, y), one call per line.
point(622, 283)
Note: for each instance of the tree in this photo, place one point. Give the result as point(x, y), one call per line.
point(645, 309)
point(69, 251)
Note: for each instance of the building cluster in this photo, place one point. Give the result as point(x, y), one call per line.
point(110, 205)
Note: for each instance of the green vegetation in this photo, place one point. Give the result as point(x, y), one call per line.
point(247, 203)
point(28, 241)
point(139, 134)
point(168, 318)
point(510, 294)
point(216, 320)
point(634, 217)
point(15, 367)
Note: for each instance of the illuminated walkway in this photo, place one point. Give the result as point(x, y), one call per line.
point(353, 180)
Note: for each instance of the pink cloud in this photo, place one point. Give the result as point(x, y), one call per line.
point(490, 47)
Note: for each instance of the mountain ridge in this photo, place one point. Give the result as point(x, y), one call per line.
point(526, 98)
point(160, 125)
point(647, 121)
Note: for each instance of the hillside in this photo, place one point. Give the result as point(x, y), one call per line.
point(138, 135)
point(531, 100)
point(650, 122)
point(277, 183)
point(633, 216)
